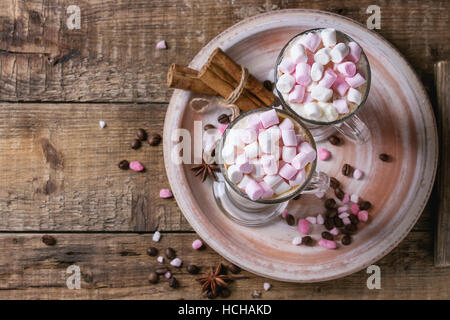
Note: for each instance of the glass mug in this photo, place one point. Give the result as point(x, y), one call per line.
point(236, 205)
point(349, 125)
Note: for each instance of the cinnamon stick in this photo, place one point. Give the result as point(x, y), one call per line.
point(187, 79)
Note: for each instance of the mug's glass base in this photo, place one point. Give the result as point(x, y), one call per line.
point(320, 133)
point(258, 216)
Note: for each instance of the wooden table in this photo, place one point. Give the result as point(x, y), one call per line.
point(59, 171)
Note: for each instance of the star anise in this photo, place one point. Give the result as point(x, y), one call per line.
point(214, 281)
point(205, 169)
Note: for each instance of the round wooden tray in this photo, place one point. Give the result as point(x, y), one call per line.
point(401, 121)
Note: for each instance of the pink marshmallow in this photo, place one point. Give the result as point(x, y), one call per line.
point(344, 215)
point(355, 81)
point(303, 74)
point(253, 190)
point(165, 193)
point(354, 208)
point(269, 118)
point(355, 52)
point(341, 106)
point(297, 94)
point(268, 192)
point(311, 41)
point(329, 77)
point(346, 220)
point(287, 171)
point(342, 209)
point(334, 231)
point(287, 65)
point(286, 124)
point(298, 179)
point(303, 226)
point(363, 216)
point(248, 135)
point(288, 153)
point(357, 174)
point(300, 139)
point(307, 154)
point(312, 220)
point(340, 86)
point(347, 68)
point(307, 97)
point(346, 198)
point(223, 128)
point(305, 147)
point(243, 164)
point(270, 164)
point(327, 244)
point(323, 154)
point(289, 138)
point(161, 45)
point(254, 122)
point(197, 244)
point(136, 166)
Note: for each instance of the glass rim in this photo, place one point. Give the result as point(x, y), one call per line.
point(234, 186)
point(312, 121)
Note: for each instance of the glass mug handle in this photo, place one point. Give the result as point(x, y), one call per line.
point(354, 129)
point(319, 182)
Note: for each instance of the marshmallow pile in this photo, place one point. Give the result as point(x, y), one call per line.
point(319, 77)
point(266, 158)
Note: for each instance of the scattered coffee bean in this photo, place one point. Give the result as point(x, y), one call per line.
point(347, 170)
point(154, 139)
point(225, 293)
point(297, 197)
point(135, 144)
point(346, 240)
point(256, 294)
point(307, 241)
point(161, 270)
point(152, 251)
point(334, 140)
point(338, 222)
point(329, 223)
point(384, 157)
point(330, 203)
point(350, 228)
point(193, 269)
point(328, 236)
point(234, 268)
point(365, 205)
point(124, 165)
point(173, 282)
point(268, 85)
point(141, 134)
point(153, 277)
point(353, 219)
point(170, 253)
point(290, 220)
point(208, 127)
point(48, 240)
point(332, 212)
point(339, 193)
point(334, 183)
point(223, 118)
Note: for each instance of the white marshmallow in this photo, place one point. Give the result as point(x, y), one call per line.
point(234, 137)
point(246, 179)
point(312, 86)
point(312, 110)
point(322, 56)
point(339, 52)
point(316, 71)
point(229, 153)
point(329, 111)
point(328, 37)
point(272, 180)
point(252, 150)
point(298, 53)
point(234, 174)
point(269, 141)
point(288, 153)
point(282, 187)
point(354, 95)
point(321, 94)
point(270, 164)
point(299, 179)
point(285, 83)
point(258, 171)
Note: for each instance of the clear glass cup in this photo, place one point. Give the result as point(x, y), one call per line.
point(236, 205)
point(349, 125)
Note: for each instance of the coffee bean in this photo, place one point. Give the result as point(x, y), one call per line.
point(339, 193)
point(384, 157)
point(297, 197)
point(307, 241)
point(332, 212)
point(328, 236)
point(268, 85)
point(223, 118)
point(193, 269)
point(234, 268)
point(334, 140)
point(154, 139)
point(353, 219)
point(330, 203)
point(48, 240)
point(124, 165)
point(225, 293)
point(153, 277)
point(365, 205)
point(135, 144)
point(173, 283)
point(170, 253)
point(329, 223)
point(346, 240)
point(290, 220)
point(152, 251)
point(208, 127)
point(338, 222)
point(161, 270)
point(141, 134)
point(334, 183)
point(350, 228)
point(347, 170)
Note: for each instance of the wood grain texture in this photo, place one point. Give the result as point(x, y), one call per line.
point(117, 267)
point(442, 246)
point(113, 57)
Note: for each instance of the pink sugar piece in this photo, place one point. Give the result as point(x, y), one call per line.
point(136, 166)
point(357, 174)
point(342, 209)
point(319, 195)
point(312, 220)
point(355, 208)
point(346, 221)
point(167, 275)
point(165, 193)
point(197, 244)
point(334, 231)
point(327, 244)
point(346, 198)
point(363, 216)
point(222, 128)
point(323, 154)
point(303, 226)
point(284, 213)
point(320, 219)
point(161, 45)
point(354, 198)
point(344, 215)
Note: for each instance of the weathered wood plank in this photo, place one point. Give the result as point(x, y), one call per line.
point(442, 246)
point(113, 57)
point(116, 267)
